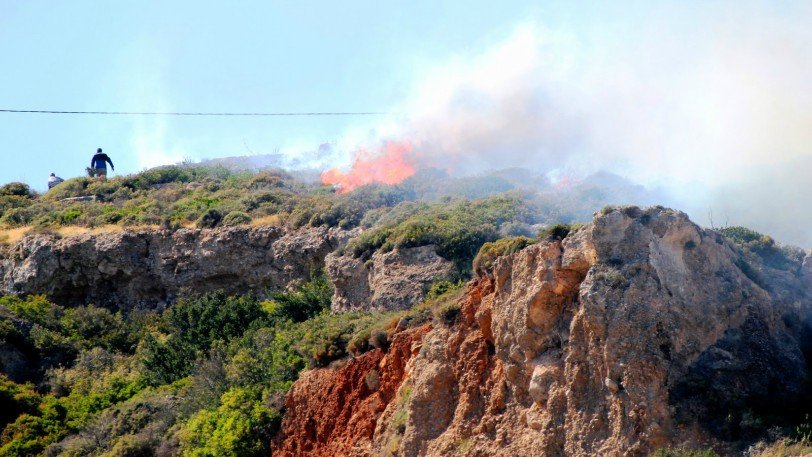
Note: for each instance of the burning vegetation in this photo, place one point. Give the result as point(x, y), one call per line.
point(392, 165)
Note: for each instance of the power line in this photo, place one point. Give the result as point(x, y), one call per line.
point(158, 113)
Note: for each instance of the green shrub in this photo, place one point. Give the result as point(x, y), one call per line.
point(75, 187)
point(165, 362)
point(448, 312)
point(92, 326)
point(29, 434)
point(16, 399)
point(33, 308)
point(347, 210)
point(241, 426)
point(442, 287)
point(68, 216)
point(16, 217)
point(305, 302)
point(489, 252)
point(458, 229)
point(17, 189)
point(368, 242)
point(202, 320)
point(210, 219)
point(235, 218)
point(764, 248)
point(558, 232)
point(56, 417)
point(327, 336)
point(8, 202)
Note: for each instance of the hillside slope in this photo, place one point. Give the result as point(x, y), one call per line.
point(637, 332)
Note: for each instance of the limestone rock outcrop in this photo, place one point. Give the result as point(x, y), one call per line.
point(637, 332)
point(392, 280)
point(150, 268)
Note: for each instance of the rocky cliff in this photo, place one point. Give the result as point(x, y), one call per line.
point(393, 280)
point(637, 332)
point(150, 268)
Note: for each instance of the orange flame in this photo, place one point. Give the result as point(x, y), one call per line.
point(392, 165)
point(566, 182)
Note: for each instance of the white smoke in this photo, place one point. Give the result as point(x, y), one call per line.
point(150, 145)
point(143, 88)
point(713, 103)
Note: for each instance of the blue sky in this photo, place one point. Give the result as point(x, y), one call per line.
point(211, 56)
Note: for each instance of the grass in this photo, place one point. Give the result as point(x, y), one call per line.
point(13, 235)
point(464, 445)
point(272, 220)
point(783, 448)
point(670, 452)
point(399, 420)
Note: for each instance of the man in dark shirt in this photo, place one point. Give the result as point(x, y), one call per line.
point(99, 163)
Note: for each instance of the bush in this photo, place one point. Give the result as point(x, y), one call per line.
point(458, 229)
point(236, 218)
point(210, 219)
point(202, 320)
point(489, 252)
point(448, 312)
point(9, 202)
point(16, 399)
point(379, 339)
point(16, 188)
point(307, 301)
point(442, 287)
point(347, 210)
point(764, 248)
point(75, 187)
point(165, 362)
point(359, 343)
point(558, 232)
point(16, 217)
point(241, 426)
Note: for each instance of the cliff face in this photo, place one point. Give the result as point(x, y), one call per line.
point(639, 331)
point(349, 400)
point(392, 280)
point(151, 268)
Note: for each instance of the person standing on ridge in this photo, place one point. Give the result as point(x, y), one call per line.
point(54, 180)
point(99, 164)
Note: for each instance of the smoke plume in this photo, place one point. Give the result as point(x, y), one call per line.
point(711, 104)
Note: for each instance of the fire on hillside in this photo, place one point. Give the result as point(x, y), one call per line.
point(395, 162)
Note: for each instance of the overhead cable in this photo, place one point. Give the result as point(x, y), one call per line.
point(159, 113)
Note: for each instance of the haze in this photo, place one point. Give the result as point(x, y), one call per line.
point(707, 102)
